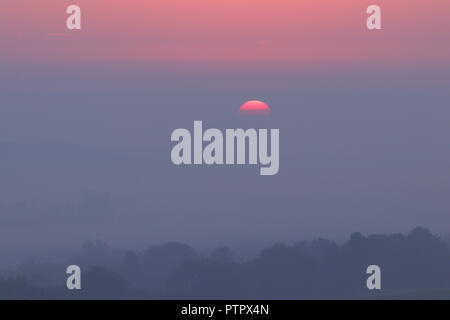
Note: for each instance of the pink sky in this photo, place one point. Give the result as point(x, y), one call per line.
point(414, 31)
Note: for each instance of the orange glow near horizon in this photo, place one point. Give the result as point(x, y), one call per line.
point(233, 30)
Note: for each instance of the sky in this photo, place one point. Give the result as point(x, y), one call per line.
point(363, 118)
point(236, 30)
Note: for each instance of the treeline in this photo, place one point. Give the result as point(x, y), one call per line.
point(319, 269)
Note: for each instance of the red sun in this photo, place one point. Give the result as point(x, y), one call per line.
point(254, 107)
